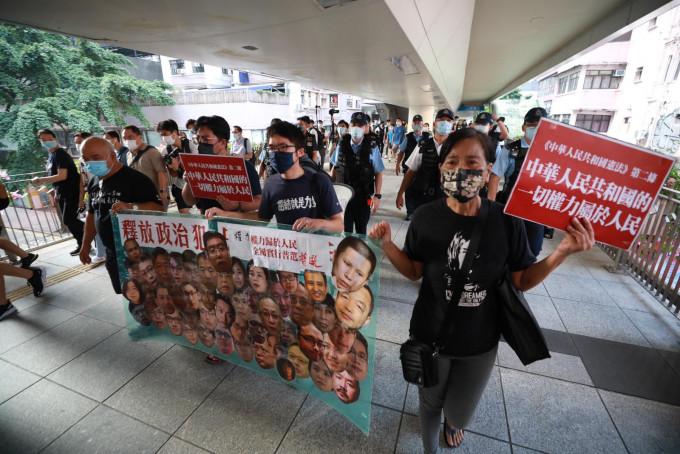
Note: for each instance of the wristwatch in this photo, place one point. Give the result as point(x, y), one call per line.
point(379, 196)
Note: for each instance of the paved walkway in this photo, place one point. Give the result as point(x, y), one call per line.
point(71, 381)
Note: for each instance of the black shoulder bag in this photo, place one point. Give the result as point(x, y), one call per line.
point(518, 325)
point(418, 359)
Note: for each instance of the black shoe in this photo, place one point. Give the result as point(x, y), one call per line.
point(408, 217)
point(7, 310)
point(38, 280)
point(75, 252)
point(26, 262)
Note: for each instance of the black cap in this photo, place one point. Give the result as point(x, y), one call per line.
point(417, 118)
point(359, 118)
point(445, 113)
point(484, 118)
point(535, 115)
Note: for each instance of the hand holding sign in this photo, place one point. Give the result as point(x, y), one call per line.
point(579, 236)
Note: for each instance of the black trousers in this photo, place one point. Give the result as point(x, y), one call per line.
point(112, 268)
point(357, 214)
point(69, 209)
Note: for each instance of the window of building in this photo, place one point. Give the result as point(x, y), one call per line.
point(226, 71)
point(677, 70)
point(562, 84)
point(652, 24)
point(546, 87)
point(573, 81)
point(668, 67)
point(349, 102)
point(547, 105)
point(198, 68)
point(595, 123)
point(638, 74)
point(599, 79)
point(176, 67)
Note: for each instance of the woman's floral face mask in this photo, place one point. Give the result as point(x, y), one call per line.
point(462, 184)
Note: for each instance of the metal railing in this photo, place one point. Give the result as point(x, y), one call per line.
point(653, 260)
point(33, 218)
point(227, 97)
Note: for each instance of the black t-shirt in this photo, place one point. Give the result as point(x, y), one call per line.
point(255, 189)
point(439, 237)
point(291, 200)
point(60, 159)
point(127, 185)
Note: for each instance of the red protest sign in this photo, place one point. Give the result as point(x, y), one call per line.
point(211, 176)
point(572, 172)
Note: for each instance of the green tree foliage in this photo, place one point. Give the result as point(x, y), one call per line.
point(514, 95)
point(48, 79)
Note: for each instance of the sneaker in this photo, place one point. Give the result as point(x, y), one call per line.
point(26, 262)
point(7, 310)
point(408, 217)
point(75, 252)
point(38, 280)
point(98, 259)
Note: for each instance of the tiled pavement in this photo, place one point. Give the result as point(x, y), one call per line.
point(72, 381)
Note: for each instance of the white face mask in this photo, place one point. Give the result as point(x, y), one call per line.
point(484, 129)
point(168, 140)
point(131, 144)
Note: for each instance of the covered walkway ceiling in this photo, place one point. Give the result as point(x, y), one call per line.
point(457, 51)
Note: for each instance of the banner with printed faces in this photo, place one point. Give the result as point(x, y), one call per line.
point(570, 172)
point(298, 307)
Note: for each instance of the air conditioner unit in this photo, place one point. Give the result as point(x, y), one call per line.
point(181, 70)
point(619, 73)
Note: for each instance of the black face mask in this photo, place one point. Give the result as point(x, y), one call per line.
point(205, 148)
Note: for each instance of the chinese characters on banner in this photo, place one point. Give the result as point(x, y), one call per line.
point(272, 300)
point(212, 176)
point(569, 172)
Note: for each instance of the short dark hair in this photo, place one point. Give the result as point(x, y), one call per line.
point(288, 131)
point(190, 122)
point(468, 133)
point(218, 125)
point(343, 122)
point(113, 134)
point(134, 129)
point(275, 120)
point(82, 134)
point(139, 287)
point(157, 252)
point(46, 131)
point(167, 125)
point(359, 246)
point(304, 118)
point(238, 128)
point(210, 234)
point(189, 256)
point(360, 337)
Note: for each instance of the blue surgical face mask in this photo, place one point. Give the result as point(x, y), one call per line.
point(205, 148)
point(443, 128)
point(530, 133)
point(98, 168)
point(281, 161)
point(49, 144)
point(356, 132)
point(342, 130)
point(417, 127)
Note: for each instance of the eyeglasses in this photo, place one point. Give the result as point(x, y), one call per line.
point(275, 148)
point(310, 340)
point(266, 314)
point(300, 300)
point(288, 278)
point(203, 139)
point(207, 313)
point(256, 325)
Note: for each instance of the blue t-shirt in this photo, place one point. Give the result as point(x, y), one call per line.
point(290, 200)
point(122, 155)
point(399, 133)
point(376, 160)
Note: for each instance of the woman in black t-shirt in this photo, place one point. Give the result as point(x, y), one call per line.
point(435, 246)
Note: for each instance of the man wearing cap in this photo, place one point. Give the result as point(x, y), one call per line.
point(422, 176)
point(509, 161)
point(484, 124)
point(398, 134)
point(406, 148)
point(357, 163)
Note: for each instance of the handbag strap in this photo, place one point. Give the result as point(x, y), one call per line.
point(463, 274)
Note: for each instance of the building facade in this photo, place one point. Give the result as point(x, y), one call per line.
point(628, 89)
